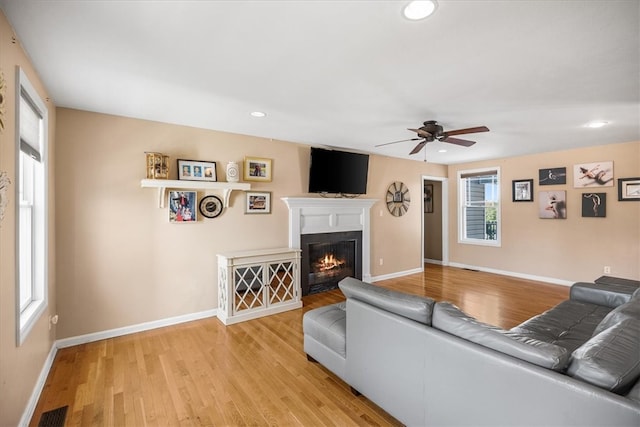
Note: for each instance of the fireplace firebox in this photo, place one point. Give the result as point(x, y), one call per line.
point(328, 258)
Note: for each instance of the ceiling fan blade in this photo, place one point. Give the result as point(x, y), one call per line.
point(395, 142)
point(421, 132)
point(458, 141)
point(418, 147)
point(467, 130)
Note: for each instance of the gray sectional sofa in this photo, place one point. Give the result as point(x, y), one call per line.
point(428, 363)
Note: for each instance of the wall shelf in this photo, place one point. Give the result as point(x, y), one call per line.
point(163, 184)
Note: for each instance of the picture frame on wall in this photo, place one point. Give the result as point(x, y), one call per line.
point(428, 198)
point(197, 170)
point(596, 174)
point(594, 205)
point(258, 202)
point(552, 176)
point(629, 189)
point(552, 204)
point(257, 169)
point(522, 190)
point(182, 206)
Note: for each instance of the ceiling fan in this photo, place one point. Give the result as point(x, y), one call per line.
point(432, 131)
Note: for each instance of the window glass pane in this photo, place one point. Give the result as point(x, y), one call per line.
point(480, 202)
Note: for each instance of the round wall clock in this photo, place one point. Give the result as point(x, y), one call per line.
point(398, 199)
point(210, 206)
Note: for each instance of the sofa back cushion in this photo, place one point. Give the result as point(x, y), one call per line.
point(413, 307)
point(611, 359)
point(628, 310)
point(449, 318)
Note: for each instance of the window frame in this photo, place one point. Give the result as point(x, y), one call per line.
point(28, 314)
point(463, 174)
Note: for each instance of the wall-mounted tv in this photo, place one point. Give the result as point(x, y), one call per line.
point(339, 172)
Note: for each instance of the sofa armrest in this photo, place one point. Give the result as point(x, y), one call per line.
point(605, 294)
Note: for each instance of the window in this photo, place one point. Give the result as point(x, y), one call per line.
point(479, 207)
point(32, 216)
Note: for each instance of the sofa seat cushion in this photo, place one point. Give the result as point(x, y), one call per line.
point(627, 310)
point(413, 307)
point(611, 359)
point(449, 318)
point(328, 325)
point(569, 324)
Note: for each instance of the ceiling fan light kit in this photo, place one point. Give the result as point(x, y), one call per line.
point(417, 10)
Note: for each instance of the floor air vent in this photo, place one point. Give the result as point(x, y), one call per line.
point(53, 418)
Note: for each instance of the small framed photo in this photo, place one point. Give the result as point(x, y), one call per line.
point(552, 204)
point(629, 189)
point(552, 176)
point(257, 169)
point(258, 202)
point(594, 205)
point(598, 174)
point(522, 190)
point(196, 170)
point(428, 198)
point(182, 206)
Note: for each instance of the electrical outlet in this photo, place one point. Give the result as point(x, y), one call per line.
point(381, 261)
point(607, 269)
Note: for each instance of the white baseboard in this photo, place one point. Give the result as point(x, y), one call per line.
point(37, 389)
point(396, 275)
point(433, 261)
point(141, 327)
point(514, 274)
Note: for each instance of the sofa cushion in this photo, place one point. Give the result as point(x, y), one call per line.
point(410, 306)
point(328, 326)
point(611, 359)
point(602, 293)
point(449, 318)
point(569, 324)
point(627, 310)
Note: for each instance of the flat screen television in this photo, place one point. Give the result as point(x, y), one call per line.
point(339, 172)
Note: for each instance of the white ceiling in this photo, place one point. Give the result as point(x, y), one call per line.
point(349, 74)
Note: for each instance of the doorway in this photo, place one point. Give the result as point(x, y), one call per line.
point(435, 220)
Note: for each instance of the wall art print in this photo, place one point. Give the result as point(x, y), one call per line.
point(4, 186)
point(594, 205)
point(182, 206)
point(629, 189)
point(597, 174)
point(552, 204)
point(3, 88)
point(552, 176)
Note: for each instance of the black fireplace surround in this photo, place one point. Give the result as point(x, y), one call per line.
point(327, 258)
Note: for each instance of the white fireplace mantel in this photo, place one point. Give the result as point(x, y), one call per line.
point(310, 215)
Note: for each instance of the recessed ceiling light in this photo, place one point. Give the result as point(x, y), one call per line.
point(597, 124)
point(419, 9)
point(258, 114)
point(442, 150)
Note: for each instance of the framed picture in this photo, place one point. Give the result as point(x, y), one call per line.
point(182, 206)
point(598, 174)
point(594, 205)
point(196, 170)
point(552, 176)
point(428, 198)
point(257, 169)
point(629, 189)
point(553, 204)
point(522, 190)
point(258, 202)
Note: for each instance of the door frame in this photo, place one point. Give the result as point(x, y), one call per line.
point(444, 202)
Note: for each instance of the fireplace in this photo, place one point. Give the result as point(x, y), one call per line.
point(327, 258)
point(314, 218)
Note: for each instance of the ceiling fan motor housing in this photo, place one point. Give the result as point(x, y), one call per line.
point(433, 128)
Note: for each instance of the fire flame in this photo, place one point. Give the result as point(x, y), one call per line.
point(329, 262)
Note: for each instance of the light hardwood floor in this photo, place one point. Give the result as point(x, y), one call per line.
point(255, 372)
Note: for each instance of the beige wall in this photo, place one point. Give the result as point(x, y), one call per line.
point(20, 366)
point(121, 263)
point(573, 249)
